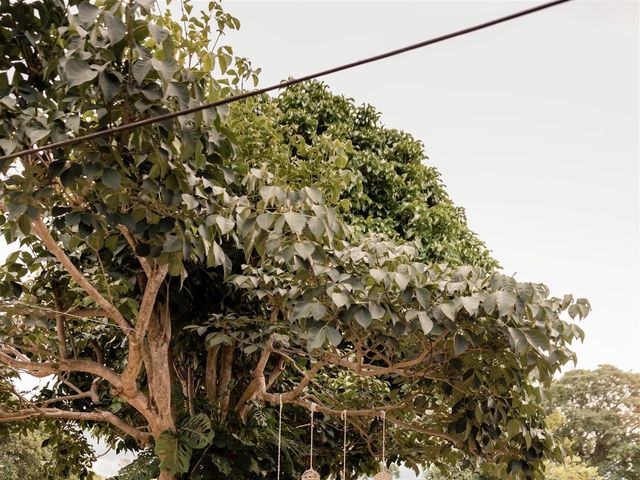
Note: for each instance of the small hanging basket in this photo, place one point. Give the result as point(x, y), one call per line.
point(311, 474)
point(383, 475)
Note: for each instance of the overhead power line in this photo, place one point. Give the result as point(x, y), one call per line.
point(285, 84)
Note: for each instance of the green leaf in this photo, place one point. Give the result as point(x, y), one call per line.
point(36, 135)
point(317, 336)
point(265, 220)
point(116, 29)
point(109, 84)
point(224, 224)
point(172, 243)
point(506, 301)
point(305, 250)
point(378, 275)
point(296, 222)
point(513, 428)
point(518, 338)
point(402, 279)
point(87, 14)
point(8, 145)
point(363, 317)
point(423, 297)
point(537, 338)
point(78, 72)
point(334, 336)
point(158, 33)
point(340, 299)
point(376, 310)
point(471, 304)
point(425, 322)
point(316, 225)
point(196, 431)
point(111, 178)
point(449, 310)
point(175, 455)
point(190, 201)
point(140, 69)
point(460, 344)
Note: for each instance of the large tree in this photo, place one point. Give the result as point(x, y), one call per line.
point(602, 410)
point(178, 281)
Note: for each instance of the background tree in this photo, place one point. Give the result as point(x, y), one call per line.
point(40, 452)
point(602, 410)
point(177, 281)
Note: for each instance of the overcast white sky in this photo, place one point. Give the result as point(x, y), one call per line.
point(533, 124)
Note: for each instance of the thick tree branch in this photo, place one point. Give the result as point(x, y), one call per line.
point(43, 233)
point(136, 339)
point(42, 369)
point(96, 416)
point(257, 377)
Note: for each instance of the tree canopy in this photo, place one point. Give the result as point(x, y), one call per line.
point(602, 410)
point(180, 280)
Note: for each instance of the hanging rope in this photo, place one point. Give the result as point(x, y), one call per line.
point(383, 415)
point(344, 445)
point(279, 435)
point(313, 410)
point(384, 473)
point(311, 474)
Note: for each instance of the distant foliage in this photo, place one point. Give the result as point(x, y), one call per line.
point(602, 411)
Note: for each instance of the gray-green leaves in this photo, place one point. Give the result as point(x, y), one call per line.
point(78, 72)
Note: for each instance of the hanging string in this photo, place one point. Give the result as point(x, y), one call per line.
point(383, 415)
point(313, 409)
point(279, 435)
point(344, 445)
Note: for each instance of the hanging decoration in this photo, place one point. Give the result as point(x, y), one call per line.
point(384, 474)
point(344, 445)
point(279, 436)
point(311, 474)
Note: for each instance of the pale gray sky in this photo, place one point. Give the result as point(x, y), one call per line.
point(533, 124)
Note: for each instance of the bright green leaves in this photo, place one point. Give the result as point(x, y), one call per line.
point(175, 449)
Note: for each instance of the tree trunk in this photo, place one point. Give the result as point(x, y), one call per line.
point(164, 475)
point(159, 376)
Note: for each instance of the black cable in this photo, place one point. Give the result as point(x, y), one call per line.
point(288, 83)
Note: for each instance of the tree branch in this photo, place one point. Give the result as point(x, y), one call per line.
point(43, 233)
point(135, 356)
point(42, 369)
point(96, 416)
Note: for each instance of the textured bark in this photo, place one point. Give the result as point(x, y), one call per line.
point(159, 370)
point(226, 373)
point(211, 373)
